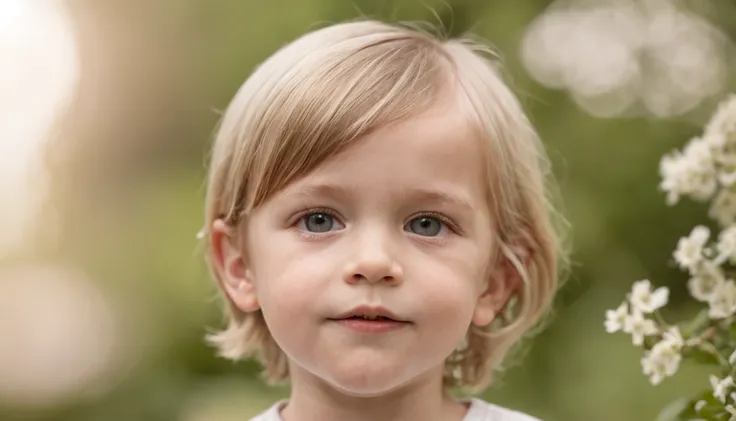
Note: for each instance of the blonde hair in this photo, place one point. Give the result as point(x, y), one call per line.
point(319, 95)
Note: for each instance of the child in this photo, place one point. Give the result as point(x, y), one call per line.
point(376, 202)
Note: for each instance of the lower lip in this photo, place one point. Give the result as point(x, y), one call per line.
point(371, 326)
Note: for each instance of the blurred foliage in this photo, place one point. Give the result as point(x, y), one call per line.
point(129, 169)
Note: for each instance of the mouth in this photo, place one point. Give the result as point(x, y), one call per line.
point(370, 314)
point(364, 317)
point(370, 321)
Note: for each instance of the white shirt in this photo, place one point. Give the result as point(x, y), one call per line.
point(478, 411)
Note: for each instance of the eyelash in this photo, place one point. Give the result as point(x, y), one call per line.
point(312, 235)
point(449, 223)
point(298, 217)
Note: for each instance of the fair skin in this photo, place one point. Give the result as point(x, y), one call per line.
point(398, 220)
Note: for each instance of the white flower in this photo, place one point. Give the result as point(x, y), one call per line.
point(639, 327)
point(723, 208)
point(657, 368)
point(721, 134)
point(706, 279)
point(732, 358)
point(723, 301)
point(727, 177)
point(689, 173)
point(675, 177)
point(716, 141)
point(689, 250)
point(727, 245)
point(723, 121)
point(615, 318)
point(725, 156)
point(699, 156)
point(645, 300)
point(721, 387)
point(664, 358)
point(731, 410)
point(700, 405)
point(702, 181)
point(673, 337)
point(705, 161)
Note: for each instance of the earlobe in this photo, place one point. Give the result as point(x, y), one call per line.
point(506, 281)
point(483, 314)
point(229, 263)
point(491, 302)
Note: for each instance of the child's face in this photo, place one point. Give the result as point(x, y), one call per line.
point(398, 221)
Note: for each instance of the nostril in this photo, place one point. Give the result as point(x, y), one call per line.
point(362, 278)
point(372, 272)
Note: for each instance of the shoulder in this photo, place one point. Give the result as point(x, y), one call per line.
point(271, 414)
point(484, 411)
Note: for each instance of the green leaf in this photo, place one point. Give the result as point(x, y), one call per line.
point(721, 340)
point(696, 325)
point(710, 412)
point(674, 409)
point(701, 356)
point(732, 331)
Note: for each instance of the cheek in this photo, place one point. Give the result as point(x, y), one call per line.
point(452, 281)
point(290, 285)
point(289, 295)
point(446, 301)
point(287, 277)
point(464, 266)
point(451, 285)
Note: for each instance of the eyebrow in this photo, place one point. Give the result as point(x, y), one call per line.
point(339, 192)
point(332, 191)
point(440, 197)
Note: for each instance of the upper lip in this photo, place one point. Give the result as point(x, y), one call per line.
point(370, 311)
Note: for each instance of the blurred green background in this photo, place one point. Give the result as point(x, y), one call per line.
point(104, 297)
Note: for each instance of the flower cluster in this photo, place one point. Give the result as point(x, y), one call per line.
point(708, 281)
point(663, 359)
point(706, 167)
point(704, 170)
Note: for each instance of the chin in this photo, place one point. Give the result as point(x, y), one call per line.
point(367, 381)
point(365, 386)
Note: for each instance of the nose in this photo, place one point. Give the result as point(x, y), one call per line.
point(372, 260)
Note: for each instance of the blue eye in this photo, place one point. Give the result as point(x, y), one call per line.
point(318, 222)
point(425, 226)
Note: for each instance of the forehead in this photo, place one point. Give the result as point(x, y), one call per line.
point(437, 150)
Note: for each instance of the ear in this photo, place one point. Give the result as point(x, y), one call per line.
point(504, 281)
point(229, 263)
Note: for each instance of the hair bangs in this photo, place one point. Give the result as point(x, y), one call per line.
point(323, 110)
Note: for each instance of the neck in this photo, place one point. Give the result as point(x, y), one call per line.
point(424, 399)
